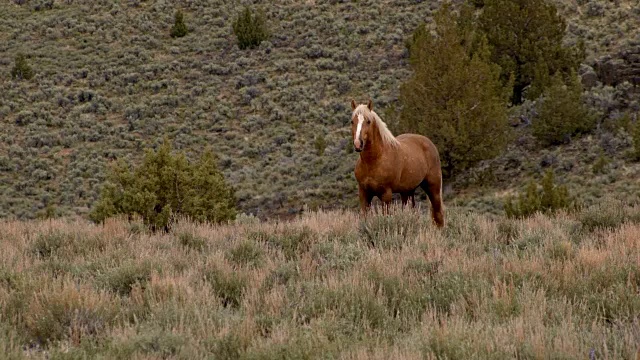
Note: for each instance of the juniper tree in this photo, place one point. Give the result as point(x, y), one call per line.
point(526, 41)
point(179, 28)
point(21, 69)
point(455, 96)
point(561, 113)
point(250, 29)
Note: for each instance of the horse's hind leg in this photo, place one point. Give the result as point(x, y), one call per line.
point(434, 192)
point(406, 197)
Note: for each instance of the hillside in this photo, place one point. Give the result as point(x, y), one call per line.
point(110, 82)
point(325, 285)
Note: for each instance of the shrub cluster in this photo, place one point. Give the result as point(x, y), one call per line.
point(165, 186)
point(546, 198)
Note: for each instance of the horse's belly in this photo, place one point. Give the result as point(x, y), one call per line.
point(409, 180)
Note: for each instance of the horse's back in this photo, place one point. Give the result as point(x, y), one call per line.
point(413, 143)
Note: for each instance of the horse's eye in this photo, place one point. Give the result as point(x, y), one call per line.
point(368, 121)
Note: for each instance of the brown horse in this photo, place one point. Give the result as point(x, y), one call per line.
point(389, 164)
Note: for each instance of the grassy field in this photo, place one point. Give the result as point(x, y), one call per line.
point(326, 285)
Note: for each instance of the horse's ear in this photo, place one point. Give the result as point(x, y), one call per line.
point(370, 105)
point(353, 104)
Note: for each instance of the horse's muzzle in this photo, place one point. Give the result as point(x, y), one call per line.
point(358, 145)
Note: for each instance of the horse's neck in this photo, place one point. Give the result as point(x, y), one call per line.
point(376, 148)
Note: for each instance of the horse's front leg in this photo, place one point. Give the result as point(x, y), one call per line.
point(365, 200)
point(386, 198)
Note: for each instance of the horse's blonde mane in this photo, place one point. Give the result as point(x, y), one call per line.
point(385, 133)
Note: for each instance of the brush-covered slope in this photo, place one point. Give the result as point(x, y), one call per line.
point(110, 82)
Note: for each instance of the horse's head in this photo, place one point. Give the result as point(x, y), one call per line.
point(361, 124)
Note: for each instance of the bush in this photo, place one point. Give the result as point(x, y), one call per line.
point(192, 241)
point(21, 70)
point(549, 198)
point(123, 279)
point(165, 186)
point(245, 253)
point(562, 113)
point(250, 29)
point(179, 29)
point(72, 311)
point(228, 286)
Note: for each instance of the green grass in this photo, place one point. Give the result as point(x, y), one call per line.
point(485, 287)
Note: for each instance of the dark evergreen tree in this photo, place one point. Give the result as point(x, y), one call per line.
point(21, 70)
point(250, 29)
point(526, 41)
point(561, 113)
point(179, 28)
point(455, 96)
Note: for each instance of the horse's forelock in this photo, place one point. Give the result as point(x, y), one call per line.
point(387, 136)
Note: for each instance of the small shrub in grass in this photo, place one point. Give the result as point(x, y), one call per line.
point(69, 312)
point(282, 274)
point(527, 241)
point(292, 241)
point(548, 198)
point(124, 278)
point(447, 288)
point(136, 228)
point(21, 70)
point(608, 214)
point(245, 253)
point(442, 345)
point(160, 343)
point(179, 29)
point(192, 241)
point(301, 346)
point(228, 286)
point(48, 244)
point(336, 257)
point(422, 268)
point(507, 306)
point(230, 346)
point(508, 230)
point(403, 299)
point(600, 165)
point(357, 307)
point(616, 304)
point(390, 232)
point(561, 250)
point(10, 280)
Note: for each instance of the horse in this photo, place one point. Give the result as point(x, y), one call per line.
point(388, 164)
